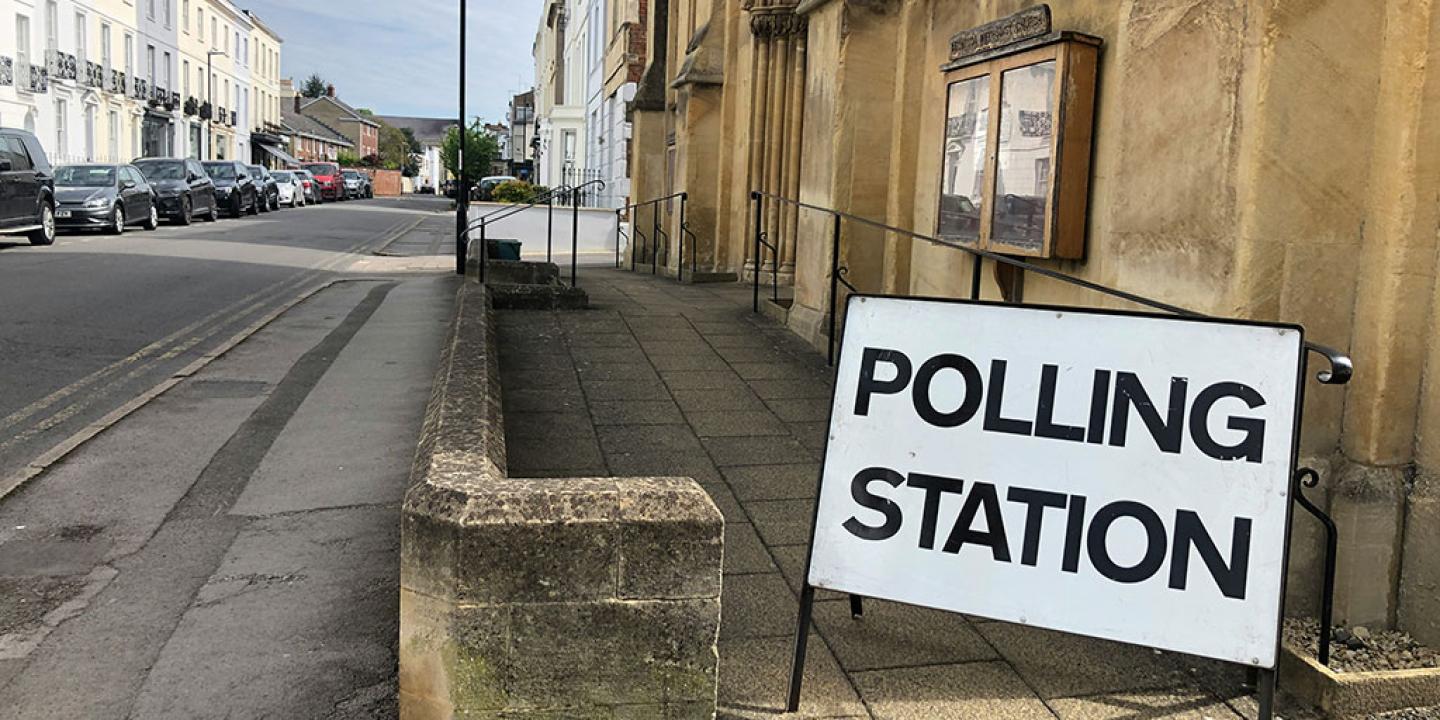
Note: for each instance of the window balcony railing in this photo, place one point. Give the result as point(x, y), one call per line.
point(34, 78)
point(192, 106)
point(7, 72)
point(207, 111)
point(94, 75)
point(117, 82)
point(61, 65)
point(141, 89)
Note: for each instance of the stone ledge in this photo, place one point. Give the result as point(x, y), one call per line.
point(1359, 694)
point(557, 597)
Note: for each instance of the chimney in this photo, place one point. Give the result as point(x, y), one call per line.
point(330, 90)
point(297, 104)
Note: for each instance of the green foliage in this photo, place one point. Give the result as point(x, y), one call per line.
point(480, 150)
point(347, 159)
point(396, 151)
point(514, 191)
point(415, 146)
point(313, 87)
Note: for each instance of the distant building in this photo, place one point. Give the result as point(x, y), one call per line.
point(310, 139)
point(522, 134)
point(430, 133)
point(559, 52)
point(501, 132)
point(362, 132)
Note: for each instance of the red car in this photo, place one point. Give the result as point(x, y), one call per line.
point(332, 183)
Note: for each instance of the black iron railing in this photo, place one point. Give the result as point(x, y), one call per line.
point(657, 231)
point(581, 179)
point(565, 192)
point(1338, 372)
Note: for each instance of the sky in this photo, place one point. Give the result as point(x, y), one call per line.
point(401, 57)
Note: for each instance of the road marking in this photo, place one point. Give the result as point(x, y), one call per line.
point(270, 294)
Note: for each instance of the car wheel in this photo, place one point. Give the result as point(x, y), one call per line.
point(45, 234)
point(239, 208)
point(275, 202)
point(214, 213)
point(261, 204)
point(255, 205)
point(153, 221)
point(184, 218)
point(117, 220)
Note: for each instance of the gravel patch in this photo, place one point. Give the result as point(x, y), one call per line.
point(1358, 649)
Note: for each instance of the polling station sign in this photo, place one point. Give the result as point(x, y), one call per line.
point(1123, 476)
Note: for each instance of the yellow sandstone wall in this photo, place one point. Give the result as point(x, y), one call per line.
point(1269, 159)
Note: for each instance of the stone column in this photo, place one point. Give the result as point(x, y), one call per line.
point(1393, 317)
point(778, 85)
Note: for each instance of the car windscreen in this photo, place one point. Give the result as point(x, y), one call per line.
point(282, 176)
point(161, 170)
point(220, 171)
point(351, 175)
point(321, 169)
point(85, 176)
point(257, 171)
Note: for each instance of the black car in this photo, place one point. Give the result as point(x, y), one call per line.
point(103, 197)
point(269, 188)
point(27, 188)
point(183, 190)
point(235, 190)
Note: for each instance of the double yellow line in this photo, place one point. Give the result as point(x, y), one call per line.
point(32, 418)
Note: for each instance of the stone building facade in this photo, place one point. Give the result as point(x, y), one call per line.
point(1272, 160)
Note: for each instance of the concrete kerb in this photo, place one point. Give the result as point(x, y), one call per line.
point(1355, 694)
point(569, 597)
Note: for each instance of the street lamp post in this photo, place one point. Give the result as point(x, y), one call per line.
point(210, 98)
point(462, 191)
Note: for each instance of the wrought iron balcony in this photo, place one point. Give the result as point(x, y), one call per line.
point(141, 90)
point(172, 102)
point(7, 72)
point(60, 65)
point(192, 106)
point(207, 111)
point(94, 75)
point(221, 115)
point(39, 78)
point(117, 82)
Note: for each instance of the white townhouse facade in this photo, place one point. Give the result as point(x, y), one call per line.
point(560, 92)
point(114, 80)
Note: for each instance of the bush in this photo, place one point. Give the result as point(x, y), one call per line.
point(514, 191)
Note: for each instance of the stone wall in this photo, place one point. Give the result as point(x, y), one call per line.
point(585, 597)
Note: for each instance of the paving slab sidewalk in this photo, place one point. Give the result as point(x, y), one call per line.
point(659, 378)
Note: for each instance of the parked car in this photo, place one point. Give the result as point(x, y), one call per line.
point(312, 186)
point(487, 185)
point(332, 185)
point(103, 197)
point(369, 184)
point(354, 184)
point(290, 188)
point(27, 188)
point(235, 190)
point(183, 190)
point(269, 190)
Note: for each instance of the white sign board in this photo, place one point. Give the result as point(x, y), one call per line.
point(1115, 475)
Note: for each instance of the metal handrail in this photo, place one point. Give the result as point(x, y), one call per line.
point(656, 233)
point(515, 208)
point(1340, 371)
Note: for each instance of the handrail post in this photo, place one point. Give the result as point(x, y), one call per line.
point(755, 301)
point(680, 244)
point(617, 238)
point(834, 284)
point(549, 226)
point(484, 253)
point(975, 276)
point(574, 235)
point(775, 260)
point(654, 237)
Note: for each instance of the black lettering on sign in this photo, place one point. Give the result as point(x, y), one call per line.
point(1252, 447)
point(869, 385)
point(1045, 425)
point(860, 491)
point(994, 422)
point(1035, 502)
point(982, 496)
point(1154, 542)
point(1229, 577)
point(1167, 431)
point(934, 486)
point(974, 388)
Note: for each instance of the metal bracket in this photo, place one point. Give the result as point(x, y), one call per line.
point(1341, 368)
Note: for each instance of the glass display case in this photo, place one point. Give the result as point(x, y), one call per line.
point(1016, 165)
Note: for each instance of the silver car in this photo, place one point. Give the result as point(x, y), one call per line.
point(290, 186)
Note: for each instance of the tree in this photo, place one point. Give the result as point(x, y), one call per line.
point(314, 86)
point(347, 159)
point(415, 147)
point(481, 149)
point(396, 150)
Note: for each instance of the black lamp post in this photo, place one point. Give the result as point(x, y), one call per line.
point(462, 191)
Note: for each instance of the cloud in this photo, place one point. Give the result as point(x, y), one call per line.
point(402, 57)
